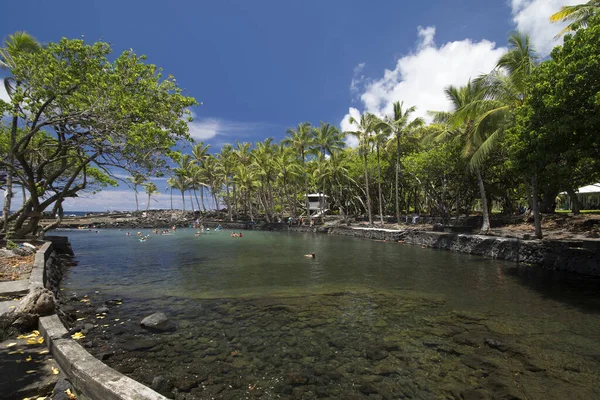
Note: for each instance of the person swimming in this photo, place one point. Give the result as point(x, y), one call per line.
point(311, 255)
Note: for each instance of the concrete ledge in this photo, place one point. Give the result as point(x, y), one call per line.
point(38, 273)
point(14, 288)
point(87, 374)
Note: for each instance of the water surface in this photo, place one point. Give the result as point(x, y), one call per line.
point(364, 318)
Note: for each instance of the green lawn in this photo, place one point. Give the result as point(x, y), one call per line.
point(582, 211)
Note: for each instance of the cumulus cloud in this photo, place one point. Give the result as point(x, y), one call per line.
point(419, 78)
point(533, 17)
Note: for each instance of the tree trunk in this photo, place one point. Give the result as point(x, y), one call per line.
point(8, 195)
point(367, 191)
point(379, 186)
point(250, 207)
point(229, 213)
point(202, 198)
point(235, 210)
point(397, 177)
point(574, 201)
point(137, 206)
point(306, 188)
point(197, 201)
point(148, 205)
point(171, 199)
point(534, 204)
point(485, 227)
point(183, 199)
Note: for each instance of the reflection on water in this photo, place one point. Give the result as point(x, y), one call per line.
point(365, 318)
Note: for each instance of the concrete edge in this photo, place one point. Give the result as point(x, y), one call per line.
point(88, 375)
point(37, 277)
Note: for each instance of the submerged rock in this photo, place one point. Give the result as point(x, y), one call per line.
point(157, 322)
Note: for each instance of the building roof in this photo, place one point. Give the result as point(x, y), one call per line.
point(590, 189)
point(595, 188)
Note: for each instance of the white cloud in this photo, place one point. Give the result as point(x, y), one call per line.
point(358, 79)
point(3, 93)
point(533, 17)
point(346, 126)
point(208, 128)
point(419, 78)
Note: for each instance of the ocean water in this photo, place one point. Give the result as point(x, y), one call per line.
point(255, 317)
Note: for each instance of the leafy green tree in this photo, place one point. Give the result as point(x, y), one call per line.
point(103, 116)
point(556, 132)
point(15, 44)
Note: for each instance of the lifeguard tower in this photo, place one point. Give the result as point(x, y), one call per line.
point(318, 204)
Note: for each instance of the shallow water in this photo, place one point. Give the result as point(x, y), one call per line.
point(257, 319)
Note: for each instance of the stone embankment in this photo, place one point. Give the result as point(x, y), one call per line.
point(580, 256)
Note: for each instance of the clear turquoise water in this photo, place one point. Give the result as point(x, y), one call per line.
point(553, 319)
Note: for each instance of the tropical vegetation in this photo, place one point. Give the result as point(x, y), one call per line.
point(514, 139)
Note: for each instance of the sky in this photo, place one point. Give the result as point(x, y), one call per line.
point(260, 67)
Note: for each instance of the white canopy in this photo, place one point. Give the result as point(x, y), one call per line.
point(590, 189)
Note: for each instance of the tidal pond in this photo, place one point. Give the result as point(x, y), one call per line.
point(257, 319)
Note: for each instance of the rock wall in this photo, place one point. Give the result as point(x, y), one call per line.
point(579, 256)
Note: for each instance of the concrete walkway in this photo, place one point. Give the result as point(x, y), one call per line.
point(26, 365)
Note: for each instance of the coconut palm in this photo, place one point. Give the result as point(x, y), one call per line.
point(365, 128)
point(327, 139)
point(379, 139)
point(226, 166)
point(399, 125)
point(301, 141)
point(200, 153)
point(578, 15)
point(262, 160)
point(151, 189)
point(171, 185)
point(287, 168)
point(16, 44)
point(247, 182)
point(136, 180)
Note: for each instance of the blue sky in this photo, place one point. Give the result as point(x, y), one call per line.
point(260, 67)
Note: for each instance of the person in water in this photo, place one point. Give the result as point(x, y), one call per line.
point(311, 255)
point(240, 234)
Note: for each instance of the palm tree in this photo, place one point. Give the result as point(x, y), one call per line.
point(200, 153)
point(150, 190)
point(399, 125)
point(226, 166)
point(379, 139)
point(484, 107)
point(287, 168)
point(170, 185)
point(136, 180)
point(183, 171)
point(301, 140)
point(247, 182)
point(16, 44)
point(366, 125)
point(327, 139)
point(262, 160)
point(578, 15)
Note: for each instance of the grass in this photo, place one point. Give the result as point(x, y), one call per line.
point(582, 211)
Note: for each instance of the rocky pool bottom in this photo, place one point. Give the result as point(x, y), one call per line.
point(338, 345)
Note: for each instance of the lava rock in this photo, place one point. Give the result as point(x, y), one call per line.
point(157, 322)
point(102, 310)
point(39, 301)
point(60, 389)
point(162, 385)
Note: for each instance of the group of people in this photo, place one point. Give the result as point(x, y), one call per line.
point(235, 234)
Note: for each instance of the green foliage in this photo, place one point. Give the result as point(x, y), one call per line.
point(556, 129)
point(10, 245)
